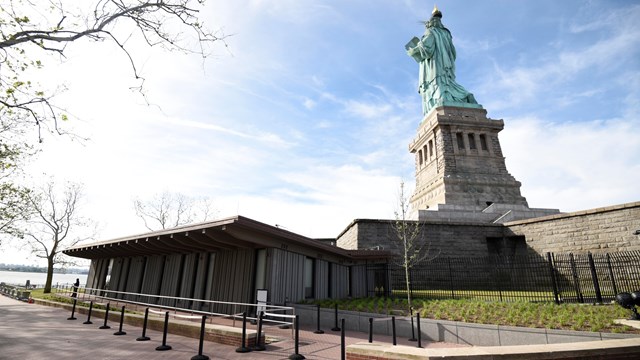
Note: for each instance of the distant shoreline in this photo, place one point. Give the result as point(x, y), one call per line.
point(44, 270)
point(39, 278)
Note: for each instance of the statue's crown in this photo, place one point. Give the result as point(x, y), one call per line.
point(436, 12)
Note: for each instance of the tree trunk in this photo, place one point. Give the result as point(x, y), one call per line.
point(408, 283)
point(47, 284)
point(406, 272)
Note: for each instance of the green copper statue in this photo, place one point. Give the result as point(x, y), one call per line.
point(436, 55)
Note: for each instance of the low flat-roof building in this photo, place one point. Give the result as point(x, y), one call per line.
point(228, 260)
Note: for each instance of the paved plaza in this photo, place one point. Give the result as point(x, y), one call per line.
point(30, 331)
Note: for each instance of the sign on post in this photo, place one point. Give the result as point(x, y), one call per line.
point(261, 300)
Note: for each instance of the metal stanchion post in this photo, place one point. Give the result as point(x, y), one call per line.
point(244, 348)
point(370, 330)
point(419, 332)
point(296, 355)
point(393, 330)
point(259, 346)
point(335, 317)
point(164, 345)
point(120, 332)
point(89, 315)
point(343, 346)
point(318, 331)
point(106, 318)
point(200, 346)
point(144, 336)
point(73, 311)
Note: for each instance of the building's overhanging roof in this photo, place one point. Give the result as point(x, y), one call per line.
point(231, 233)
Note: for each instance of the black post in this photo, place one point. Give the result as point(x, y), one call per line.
point(258, 345)
point(393, 330)
point(413, 333)
point(370, 330)
point(453, 296)
point(73, 311)
point(144, 336)
point(89, 315)
point(106, 318)
point(594, 277)
point(576, 281)
point(613, 280)
point(419, 332)
point(164, 346)
point(553, 279)
point(120, 332)
point(244, 348)
point(318, 331)
point(336, 328)
point(200, 346)
point(342, 342)
point(296, 355)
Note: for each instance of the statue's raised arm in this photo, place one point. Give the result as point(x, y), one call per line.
point(437, 79)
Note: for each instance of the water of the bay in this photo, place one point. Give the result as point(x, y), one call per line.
point(20, 278)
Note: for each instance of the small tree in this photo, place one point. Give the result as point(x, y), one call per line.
point(409, 238)
point(55, 224)
point(167, 210)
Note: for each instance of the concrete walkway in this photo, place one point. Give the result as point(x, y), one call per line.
point(29, 331)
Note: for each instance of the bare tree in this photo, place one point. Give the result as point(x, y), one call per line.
point(29, 29)
point(408, 236)
point(167, 210)
point(56, 224)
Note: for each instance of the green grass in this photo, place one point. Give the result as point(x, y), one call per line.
point(479, 295)
point(536, 315)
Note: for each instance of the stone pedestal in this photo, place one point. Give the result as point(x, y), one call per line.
point(459, 161)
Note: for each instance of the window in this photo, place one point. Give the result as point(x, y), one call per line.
point(261, 268)
point(430, 148)
point(483, 142)
point(309, 277)
point(349, 282)
point(330, 281)
point(108, 275)
point(420, 157)
point(460, 140)
point(472, 141)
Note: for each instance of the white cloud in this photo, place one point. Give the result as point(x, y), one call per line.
point(320, 201)
point(309, 104)
point(367, 110)
point(520, 84)
point(573, 166)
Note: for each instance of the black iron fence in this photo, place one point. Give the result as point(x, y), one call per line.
point(581, 278)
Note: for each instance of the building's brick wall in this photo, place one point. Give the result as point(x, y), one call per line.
point(608, 229)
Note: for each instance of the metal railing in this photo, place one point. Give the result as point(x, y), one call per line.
point(581, 278)
point(86, 294)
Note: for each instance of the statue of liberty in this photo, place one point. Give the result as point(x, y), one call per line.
point(436, 55)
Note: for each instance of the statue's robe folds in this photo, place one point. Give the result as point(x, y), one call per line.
point(437, 82)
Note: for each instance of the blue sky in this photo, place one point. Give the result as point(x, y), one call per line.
point(304, 119)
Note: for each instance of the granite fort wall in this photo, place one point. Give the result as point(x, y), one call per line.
point(608, 229)
point(444, 239)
